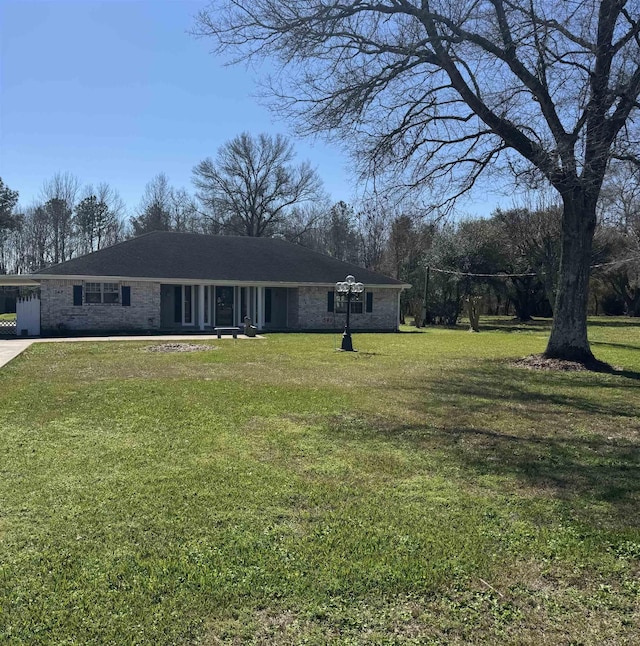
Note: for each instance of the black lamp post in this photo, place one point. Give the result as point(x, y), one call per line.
point(348, 287)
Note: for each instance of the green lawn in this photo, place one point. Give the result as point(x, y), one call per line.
point(8, 317)
point(420, 491)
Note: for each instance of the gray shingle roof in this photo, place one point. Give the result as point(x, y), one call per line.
point(193, 256)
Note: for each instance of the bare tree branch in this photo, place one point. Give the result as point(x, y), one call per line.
point(437, 93)
point(252, 185)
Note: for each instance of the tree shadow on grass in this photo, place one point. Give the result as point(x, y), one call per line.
point(562, 435)
point(627, 374)
point(495, 386)
point(544, 325)
point(515, 325)
point(625, 346)
point(551, 432)
point(595, 477)
point(630, 322)
point(593, 469)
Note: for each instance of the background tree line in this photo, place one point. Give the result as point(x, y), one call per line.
point(507, 263)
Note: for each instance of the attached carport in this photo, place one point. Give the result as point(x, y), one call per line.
point(27, 309)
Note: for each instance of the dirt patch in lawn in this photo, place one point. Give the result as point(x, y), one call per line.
point(180, 347)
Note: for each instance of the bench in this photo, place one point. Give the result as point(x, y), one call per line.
point(227, 330)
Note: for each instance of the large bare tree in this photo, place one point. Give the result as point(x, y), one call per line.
point(8, 201)
point(99, 218)
point(59, 196)
point(166, 208)
point(10, 221)
point(253, 184)
point(443, 91)
point(154, 211)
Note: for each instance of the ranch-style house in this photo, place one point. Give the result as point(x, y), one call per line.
point(169, 282)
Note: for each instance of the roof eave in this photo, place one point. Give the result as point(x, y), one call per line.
point(18, 280)
point(202, 281)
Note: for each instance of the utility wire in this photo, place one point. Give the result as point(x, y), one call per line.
point(466, 273)
point(530, 275)
point(616, 262)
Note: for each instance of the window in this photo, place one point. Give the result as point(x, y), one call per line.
point(101, 293)
point(92, 293)
point(110, 292)
point(341, 303)
point(187, 301)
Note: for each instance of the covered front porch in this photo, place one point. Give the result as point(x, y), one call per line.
point(203, 307)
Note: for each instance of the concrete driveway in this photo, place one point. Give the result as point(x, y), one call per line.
point(11, 348)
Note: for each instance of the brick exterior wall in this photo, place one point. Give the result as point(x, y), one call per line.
point(313, 314)
point(306, 310)
point(58, 314)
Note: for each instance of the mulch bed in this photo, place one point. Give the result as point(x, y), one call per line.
point(180, 347)
point(540, 362)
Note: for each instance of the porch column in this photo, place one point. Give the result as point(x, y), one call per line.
point(237, 304)
point(201, 289)
point(260, 313)
point(254, 305)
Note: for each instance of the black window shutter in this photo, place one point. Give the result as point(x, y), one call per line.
point(267, 305)
point(177, 304)
point(330, 299)
point(369, 301)
point(126, 296)
point(77, 294)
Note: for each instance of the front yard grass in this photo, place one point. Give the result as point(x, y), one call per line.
point(420, 491)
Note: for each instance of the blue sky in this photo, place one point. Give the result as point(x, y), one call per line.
point(118, 91)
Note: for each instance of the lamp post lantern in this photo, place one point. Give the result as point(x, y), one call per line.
point(349, 287)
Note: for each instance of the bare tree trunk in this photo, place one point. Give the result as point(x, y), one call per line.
point(473, 309)
point(568, 338)
point(522, 300)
